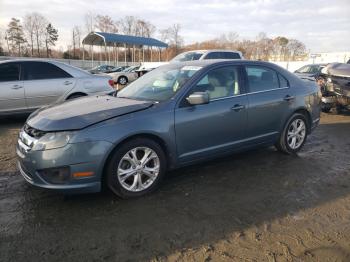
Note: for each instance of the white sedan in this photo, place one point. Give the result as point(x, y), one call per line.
point(129, 74)
point(30, 84)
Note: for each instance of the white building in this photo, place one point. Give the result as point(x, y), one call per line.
point(316, 58)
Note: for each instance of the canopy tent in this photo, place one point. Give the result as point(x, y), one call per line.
point(108, 40)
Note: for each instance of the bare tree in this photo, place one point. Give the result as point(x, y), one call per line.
point(172, 36)
point(144, 28)
point(89, 19)
point(128, 24)
point(105, 23)
point(39, 29)
point(28, 25)
point(295, 49)
point(2, 37)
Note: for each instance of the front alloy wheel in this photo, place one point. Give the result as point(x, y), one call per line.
point(136, 168)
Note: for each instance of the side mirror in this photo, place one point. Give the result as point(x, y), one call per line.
point(198, 98)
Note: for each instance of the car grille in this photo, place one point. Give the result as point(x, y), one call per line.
point(33, 132)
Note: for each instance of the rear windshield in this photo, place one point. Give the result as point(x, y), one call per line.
point(189, 56)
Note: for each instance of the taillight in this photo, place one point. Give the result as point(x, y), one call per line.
point(111, 82)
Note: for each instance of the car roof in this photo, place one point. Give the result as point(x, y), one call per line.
point(207, 62)
point(212, 50)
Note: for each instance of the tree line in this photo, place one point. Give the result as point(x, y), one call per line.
point(36, 36)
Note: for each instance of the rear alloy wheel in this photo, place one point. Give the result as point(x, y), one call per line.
point(294, 134)
point(136, 168)
point(122, 80)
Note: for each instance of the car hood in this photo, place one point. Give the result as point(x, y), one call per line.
point(82, 112)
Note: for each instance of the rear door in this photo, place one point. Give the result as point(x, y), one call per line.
point(219, 126)
point(270, 102)
point(11, 88)
point(44, 83)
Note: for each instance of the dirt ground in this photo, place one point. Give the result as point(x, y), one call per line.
point(254, 206)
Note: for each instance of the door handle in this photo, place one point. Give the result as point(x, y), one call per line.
point(288, 98)
point(16, 87)
point(68, 83)
point(237, 108)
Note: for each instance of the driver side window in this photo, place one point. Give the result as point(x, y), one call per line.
point(219, 83)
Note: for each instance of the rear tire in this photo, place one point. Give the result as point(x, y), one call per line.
point(294, 134)
point(122, 80)
point(74, 96)
point(136, 168)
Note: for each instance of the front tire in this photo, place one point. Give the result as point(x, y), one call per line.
point(294, 135)
point(136, 168)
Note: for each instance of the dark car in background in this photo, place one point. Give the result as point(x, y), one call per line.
point(175, 115)
point(311, 71)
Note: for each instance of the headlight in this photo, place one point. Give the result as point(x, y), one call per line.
point(329, 80)
point(52, 140)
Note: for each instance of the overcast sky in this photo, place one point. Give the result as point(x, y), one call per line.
point(323, 25)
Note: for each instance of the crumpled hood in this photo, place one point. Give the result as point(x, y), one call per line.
point(338, 69)
point(80, 113)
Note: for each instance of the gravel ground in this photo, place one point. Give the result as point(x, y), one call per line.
point(254, 206)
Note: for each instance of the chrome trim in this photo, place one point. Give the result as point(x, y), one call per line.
point(27, 139)
point(316, 120)
point(251, 93)
point(226, 97)
point(26, 177)
point(268, 90)
point(23, 146)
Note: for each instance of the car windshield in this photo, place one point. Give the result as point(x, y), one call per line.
point(189, 56)
point(160, 84)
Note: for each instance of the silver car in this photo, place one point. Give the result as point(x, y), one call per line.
point(30, 84)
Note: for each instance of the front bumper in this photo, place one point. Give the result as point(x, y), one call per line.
point(88, 157)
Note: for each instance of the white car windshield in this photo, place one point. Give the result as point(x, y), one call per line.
point(160, 84)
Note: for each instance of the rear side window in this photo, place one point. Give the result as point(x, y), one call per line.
point(230, 55)
point(283, 81)
point(222, 55)
point(213, 55)
point(9, 72)
point(43, 70)
point(261, 78)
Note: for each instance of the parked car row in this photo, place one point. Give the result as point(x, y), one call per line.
point(106, 69)
point(125, 75)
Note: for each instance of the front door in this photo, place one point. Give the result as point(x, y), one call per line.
point(217, 127)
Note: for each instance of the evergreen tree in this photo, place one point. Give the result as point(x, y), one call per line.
point(15, 35)
point(51, 36)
